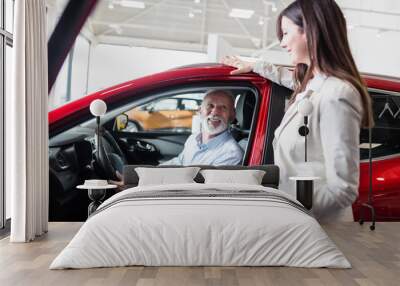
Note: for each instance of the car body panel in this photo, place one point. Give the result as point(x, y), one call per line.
point(385, 189)
point(385, 171)
point(257, 150)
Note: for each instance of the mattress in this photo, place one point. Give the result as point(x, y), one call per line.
point(201, 225)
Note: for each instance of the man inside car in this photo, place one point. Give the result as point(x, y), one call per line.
point(214, 145)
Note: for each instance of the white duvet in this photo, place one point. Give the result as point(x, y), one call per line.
point(183, 231)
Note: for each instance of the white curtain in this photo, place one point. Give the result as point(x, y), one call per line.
point(27, 125)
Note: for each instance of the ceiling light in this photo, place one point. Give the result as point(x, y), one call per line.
point(197, 1)
point(132, 4)
point(111, 5)
point(261, 21)
point(274, 9)
point(191, 14)
point(241, 13)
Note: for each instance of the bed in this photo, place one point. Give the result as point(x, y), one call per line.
point(201, 224)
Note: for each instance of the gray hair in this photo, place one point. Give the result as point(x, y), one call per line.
point(227, 93)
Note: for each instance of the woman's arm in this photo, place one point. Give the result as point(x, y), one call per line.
point(278, 74)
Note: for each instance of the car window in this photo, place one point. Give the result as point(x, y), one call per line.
point(152, 116)
point(171, 114)
point(386, 132)
point(190, 104)
point(165, 104)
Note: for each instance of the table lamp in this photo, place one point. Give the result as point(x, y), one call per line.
point(305, 107)
point(98, 108)
point(304, 183)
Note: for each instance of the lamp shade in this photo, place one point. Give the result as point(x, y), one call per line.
point(98, 107)
point(305, 107)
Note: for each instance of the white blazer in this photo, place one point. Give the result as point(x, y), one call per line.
point(332, 144)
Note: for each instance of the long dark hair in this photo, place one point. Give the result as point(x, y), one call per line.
point(328, 47)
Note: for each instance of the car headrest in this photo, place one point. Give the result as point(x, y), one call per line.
point(244, 111)
point(270, 179)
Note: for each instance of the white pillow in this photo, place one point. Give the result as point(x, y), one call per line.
point(166, 176)
point(248, 177)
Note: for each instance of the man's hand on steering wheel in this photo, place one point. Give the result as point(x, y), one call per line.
point(120, 181)
point(110, 157)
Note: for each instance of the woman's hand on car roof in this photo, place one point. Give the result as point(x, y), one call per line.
point(240, 65)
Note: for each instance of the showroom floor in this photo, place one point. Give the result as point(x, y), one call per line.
point(375, 257)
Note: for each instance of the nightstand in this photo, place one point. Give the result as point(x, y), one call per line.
point(96, 195)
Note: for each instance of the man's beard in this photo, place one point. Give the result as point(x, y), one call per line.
point(209, 128)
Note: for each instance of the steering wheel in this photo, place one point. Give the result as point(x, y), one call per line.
point(110, 155)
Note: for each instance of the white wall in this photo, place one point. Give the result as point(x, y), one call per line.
point(111, 65)
point(79, 86)
point(376, 53)
point(373, 52)
point(80, 61)
point(374, 34)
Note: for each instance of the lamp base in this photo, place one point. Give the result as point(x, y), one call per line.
point(304, 192)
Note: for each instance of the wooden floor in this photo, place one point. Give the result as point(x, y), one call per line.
point(375, 257)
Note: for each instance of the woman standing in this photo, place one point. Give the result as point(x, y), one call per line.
point(315, 35)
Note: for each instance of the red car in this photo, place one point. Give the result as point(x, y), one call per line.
point(259, 105)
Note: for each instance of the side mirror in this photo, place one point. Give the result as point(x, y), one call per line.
point(121, 122)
